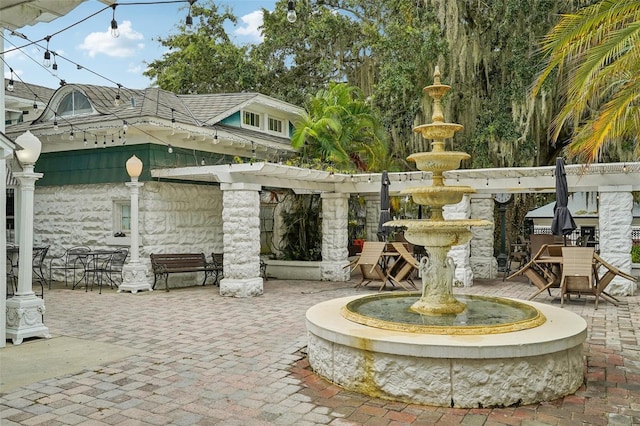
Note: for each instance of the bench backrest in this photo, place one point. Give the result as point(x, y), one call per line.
point(179, 260)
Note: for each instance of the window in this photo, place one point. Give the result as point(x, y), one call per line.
point(251, 119)
point(75, 103)
point(121, 216)
point(275, 125)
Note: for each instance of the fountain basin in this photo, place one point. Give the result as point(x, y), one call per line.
point(439, 131)
point(435, 233)
point(449, 370)
point(438, 196)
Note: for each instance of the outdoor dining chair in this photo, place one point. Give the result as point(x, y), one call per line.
point(404, 267)
point(577, 273)
point(369, 263)
point(113, 267)
point(71, 261)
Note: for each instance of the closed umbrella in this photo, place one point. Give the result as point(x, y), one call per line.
point(385, 215)
point(563, 223)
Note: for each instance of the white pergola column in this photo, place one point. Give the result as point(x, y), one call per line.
point(483, 263)
point(134, 273)
point(335, 238)
point(614, 222)
point(25, 309)
point(460, 254)
point(241, 240)
point(372, 203)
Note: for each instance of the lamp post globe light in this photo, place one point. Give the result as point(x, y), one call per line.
point(25, 309)
point(134, 274)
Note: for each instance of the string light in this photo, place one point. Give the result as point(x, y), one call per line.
point(173, 119)
point(115, 33)
point(47, 55)
point(84, 137)
point(291, 12)
point(71, 137)
point(125, 127)
point(35, 103)
point(117, 101)
point(202, 163)
point(55, 123)
point(96, 141)
point(54, 67)
point(104, 141)
point(189, 20)
point(10, 84)
point(170, 149)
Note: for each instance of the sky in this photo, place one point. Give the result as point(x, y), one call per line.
point(103, 59)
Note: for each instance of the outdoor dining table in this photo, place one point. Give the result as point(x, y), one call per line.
point(93, 266)
point(550, 269)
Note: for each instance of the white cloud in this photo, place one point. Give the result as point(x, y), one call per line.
point(127, 45)
point(250, 24)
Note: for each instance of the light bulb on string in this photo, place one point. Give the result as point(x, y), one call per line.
point(47, 55)
point(47, 59)
point(95, 144)
point(115, 33)
point(10, 84)
point(170, 149)
point(203, 163)
point(104, 141)
point(84, 138)
point(54, 67)
point(125, 127)
point(291, 12)
point(55, 123)
point(189, 19)
point(71, 137)
point(112, 141)
point(117, 101)
point(35, 104)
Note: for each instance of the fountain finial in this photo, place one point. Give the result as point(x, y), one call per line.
point(436, 75)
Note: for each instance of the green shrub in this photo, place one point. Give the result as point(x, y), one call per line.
point(635, 254)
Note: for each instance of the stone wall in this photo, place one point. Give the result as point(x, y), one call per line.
point(483, 263)
point(173, 218)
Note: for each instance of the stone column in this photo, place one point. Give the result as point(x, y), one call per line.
point(25, 309)
point(614, 222)
point(335, 218)
point(373, 216)
point(241, 240)
point(460, 254)
point(483, 264)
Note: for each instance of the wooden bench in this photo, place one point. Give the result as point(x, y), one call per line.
point(173, 263)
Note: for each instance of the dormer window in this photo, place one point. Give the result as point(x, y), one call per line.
point(251, 119)
point(275, 125)
point(75, 103)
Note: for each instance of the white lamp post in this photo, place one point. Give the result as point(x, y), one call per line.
point(134, 274)
point(25, 309)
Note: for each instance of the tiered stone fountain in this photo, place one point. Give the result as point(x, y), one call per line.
point(433, 348)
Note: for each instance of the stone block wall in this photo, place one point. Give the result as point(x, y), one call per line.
point(173, 218)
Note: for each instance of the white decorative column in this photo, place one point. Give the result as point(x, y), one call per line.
point(335, 238)
point(460, 254)
point(483, 263)
point(241, 239)
point(25, 309)
point(134, 273)
point(614, 222)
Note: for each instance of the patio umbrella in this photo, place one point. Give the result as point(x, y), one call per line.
point(385, 215)
point(563, 223)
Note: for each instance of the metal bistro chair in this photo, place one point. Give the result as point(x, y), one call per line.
point(218, 262)
point(39, 253)
point(113, 269)
point(72, 260)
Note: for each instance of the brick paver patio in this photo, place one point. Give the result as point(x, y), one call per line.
point(207, 360)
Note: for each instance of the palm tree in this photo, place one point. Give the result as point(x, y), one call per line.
point(595, 53)
point(342, 129)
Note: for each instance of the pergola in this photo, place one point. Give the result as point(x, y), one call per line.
point(580, 178)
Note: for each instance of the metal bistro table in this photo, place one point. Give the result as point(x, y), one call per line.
point(95, 267)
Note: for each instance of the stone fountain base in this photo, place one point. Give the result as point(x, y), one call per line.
point(465, 371)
